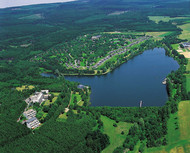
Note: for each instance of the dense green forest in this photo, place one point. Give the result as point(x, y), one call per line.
point(36, 39)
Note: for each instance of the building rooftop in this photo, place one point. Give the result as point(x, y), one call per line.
point(186, 44)
point(80, 86)
point(30, 120)
point(96, 37)
point(29, 113)
point(33, 123)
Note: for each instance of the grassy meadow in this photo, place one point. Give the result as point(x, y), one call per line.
point(178, 132)
point(157, 19)
point(114, 133)
point(186, 30)
point(25, 88)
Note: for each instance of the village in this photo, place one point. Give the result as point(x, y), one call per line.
point(92, 57)
point(111, 54)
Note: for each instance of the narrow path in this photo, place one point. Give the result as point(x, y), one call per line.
point(67, 108)
point(79, 101)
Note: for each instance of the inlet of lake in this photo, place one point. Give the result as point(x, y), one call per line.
point(138, 79)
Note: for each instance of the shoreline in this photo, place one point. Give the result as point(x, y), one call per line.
point(108, 71)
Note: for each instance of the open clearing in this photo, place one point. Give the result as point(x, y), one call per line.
point(184, 119)
point(188, 65)
point(158, 35)
point(32, 17)
point(178, 138)
point(24, 87)
point(114, 133)
point(62, 117)
point(188, 83)
point(47, 102)
point(186, 54)
point(78, 97)
point(165, 18)
point(186, 31)
point(175, 46)
point(118, 12)
point(185, 27)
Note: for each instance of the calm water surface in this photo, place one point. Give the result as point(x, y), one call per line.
point(14, 3)
point(138, 79)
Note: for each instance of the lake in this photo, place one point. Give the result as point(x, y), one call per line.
point(16, 3)
point(138, 79)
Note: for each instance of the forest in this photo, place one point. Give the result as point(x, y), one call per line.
point(32, 37)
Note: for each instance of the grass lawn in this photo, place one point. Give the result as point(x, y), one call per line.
point(178, 139)
point(165, 18)
point(53, 56)
point(136, 148)
point(81, 103)
point(173, 92)
point(173, 133)
point(114, 133)
point(75, 112)
point(184, 119)
point(40, 114)
point(82, 63)
point(188, 65)
point(188, 83)
point(175, 46)
point(24, 87)
point(62, 117)
point(47, 102)
point(186, 31)
point(75, 95)
point(32, 17)
point(158, 35)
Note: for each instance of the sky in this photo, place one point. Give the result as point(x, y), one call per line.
point(13, 3)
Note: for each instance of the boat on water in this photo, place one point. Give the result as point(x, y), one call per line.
point(165, 81)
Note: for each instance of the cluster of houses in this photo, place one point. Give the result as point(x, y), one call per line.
point(119, 51)
point(32, 122)
point(186, 45)
point(110, 54)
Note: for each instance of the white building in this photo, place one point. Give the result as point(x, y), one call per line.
point(33, 123)
point(38, 97)
point(186, 44)
point(29, 113)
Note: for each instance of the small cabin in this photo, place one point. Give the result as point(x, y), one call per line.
point(80, 86)
point(96, 37)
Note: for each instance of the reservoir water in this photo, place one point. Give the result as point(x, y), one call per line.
point(138, 79)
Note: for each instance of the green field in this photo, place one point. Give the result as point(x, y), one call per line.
point(178, 138)
point(185, 27)
point(78, 98)
point(188, 83)
point(62, 117)
point(114, 133)
point(165, 18)
point(47, 103)
point(188, 65)
point(186, 31)
point(25, 87)
point(32, 17)
point(158, 35)
point(175, 46)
